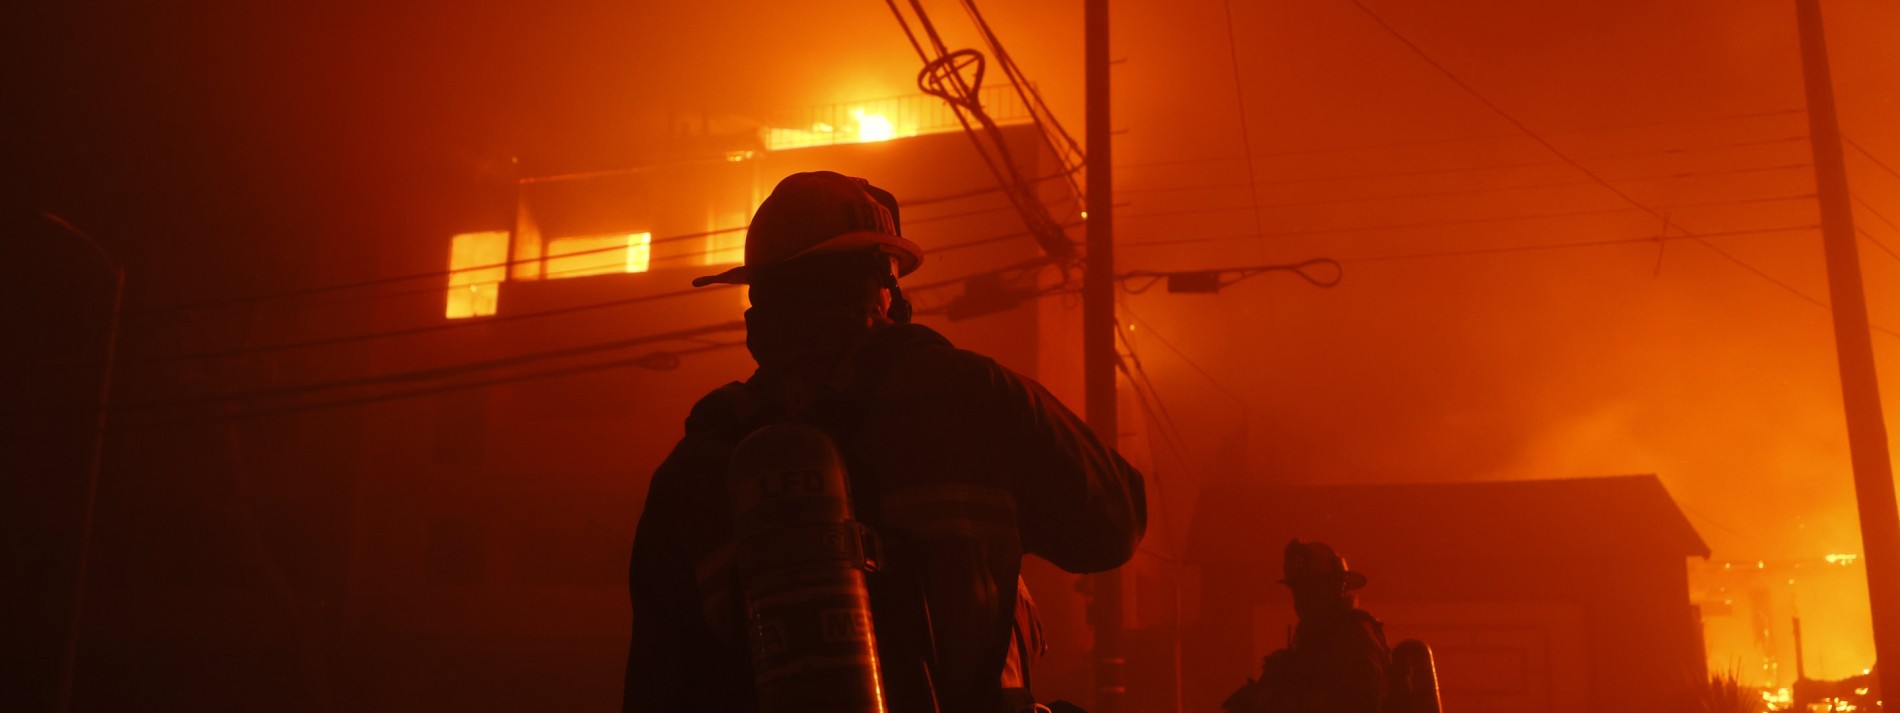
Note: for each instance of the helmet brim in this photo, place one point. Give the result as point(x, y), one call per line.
point(909, 255)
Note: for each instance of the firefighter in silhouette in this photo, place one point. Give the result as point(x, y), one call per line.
point(1336, 662)
point(954, 467)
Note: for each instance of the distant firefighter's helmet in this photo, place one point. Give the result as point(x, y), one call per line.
point(1315, 564)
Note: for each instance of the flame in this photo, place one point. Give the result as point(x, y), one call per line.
point(873, 127)
point(1779, 699)
point(583, 255)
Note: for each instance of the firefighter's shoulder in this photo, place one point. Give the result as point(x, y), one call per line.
point(722, 409)
point(933, 362)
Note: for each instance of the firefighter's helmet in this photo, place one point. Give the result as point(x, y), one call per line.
point(1316, 564)
point(821, 212)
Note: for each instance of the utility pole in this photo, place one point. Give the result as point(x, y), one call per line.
point(1860, 390)
point(1098, 336)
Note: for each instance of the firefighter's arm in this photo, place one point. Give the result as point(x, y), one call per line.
point(1082, 507)
point(1270, 693)
point(660, 671)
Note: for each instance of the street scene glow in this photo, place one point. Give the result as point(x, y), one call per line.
point(1541, 315)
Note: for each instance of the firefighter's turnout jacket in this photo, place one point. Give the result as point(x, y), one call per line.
point(960, 465)
point(1336, 663)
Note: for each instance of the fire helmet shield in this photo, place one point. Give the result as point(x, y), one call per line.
point(821, 212)
point(1315, 563)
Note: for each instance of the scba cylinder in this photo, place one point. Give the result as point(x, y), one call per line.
point(801, 560)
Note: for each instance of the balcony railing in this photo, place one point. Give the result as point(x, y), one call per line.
point(883, 119)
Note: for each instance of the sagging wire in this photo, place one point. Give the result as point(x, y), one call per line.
point(491, 319)
point(1700, 239)
point(998, 290)
point(658, 240)
point(1067, 151)
point(436, 290)
point(1314, 272)
point(1163, 422)
point(658, 361)
point(641, 361)
point(955, 76)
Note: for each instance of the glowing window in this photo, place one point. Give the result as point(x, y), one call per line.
point(584, 255)
point(476, 269)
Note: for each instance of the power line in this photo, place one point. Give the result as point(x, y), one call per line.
point(439, 274)
point(1148, 328)
point(1392, 196)
point(1871, 157)
point(1675, 175)
point(1883, 218)
point(1216, 383)
point(665, 359)
point(520, 359)
point(1647, 239)
point(1699, 239)
point(1672, 151)
point(1240, 103)
point(445, 371)
point(1711, 172)
point(1454, 140)
point(445, 388)
point(1876, 241)
point(1225, 209)
point(1377, 228)
point(463, 324)
point(1876, 211)
point(1160, 420)
point(437, 290)
point(426, 329)
point(1695, 149)
point(392, 279)
point(1486, 101)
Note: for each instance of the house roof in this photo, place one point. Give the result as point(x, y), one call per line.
point(1587, 518)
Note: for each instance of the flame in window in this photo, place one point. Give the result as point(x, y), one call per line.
point(476, 269)
point(584, 255)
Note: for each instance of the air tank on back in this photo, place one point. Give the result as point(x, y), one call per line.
point(801, 561)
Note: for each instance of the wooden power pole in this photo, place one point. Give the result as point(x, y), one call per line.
point(1866, 430)
point(1098, 337)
